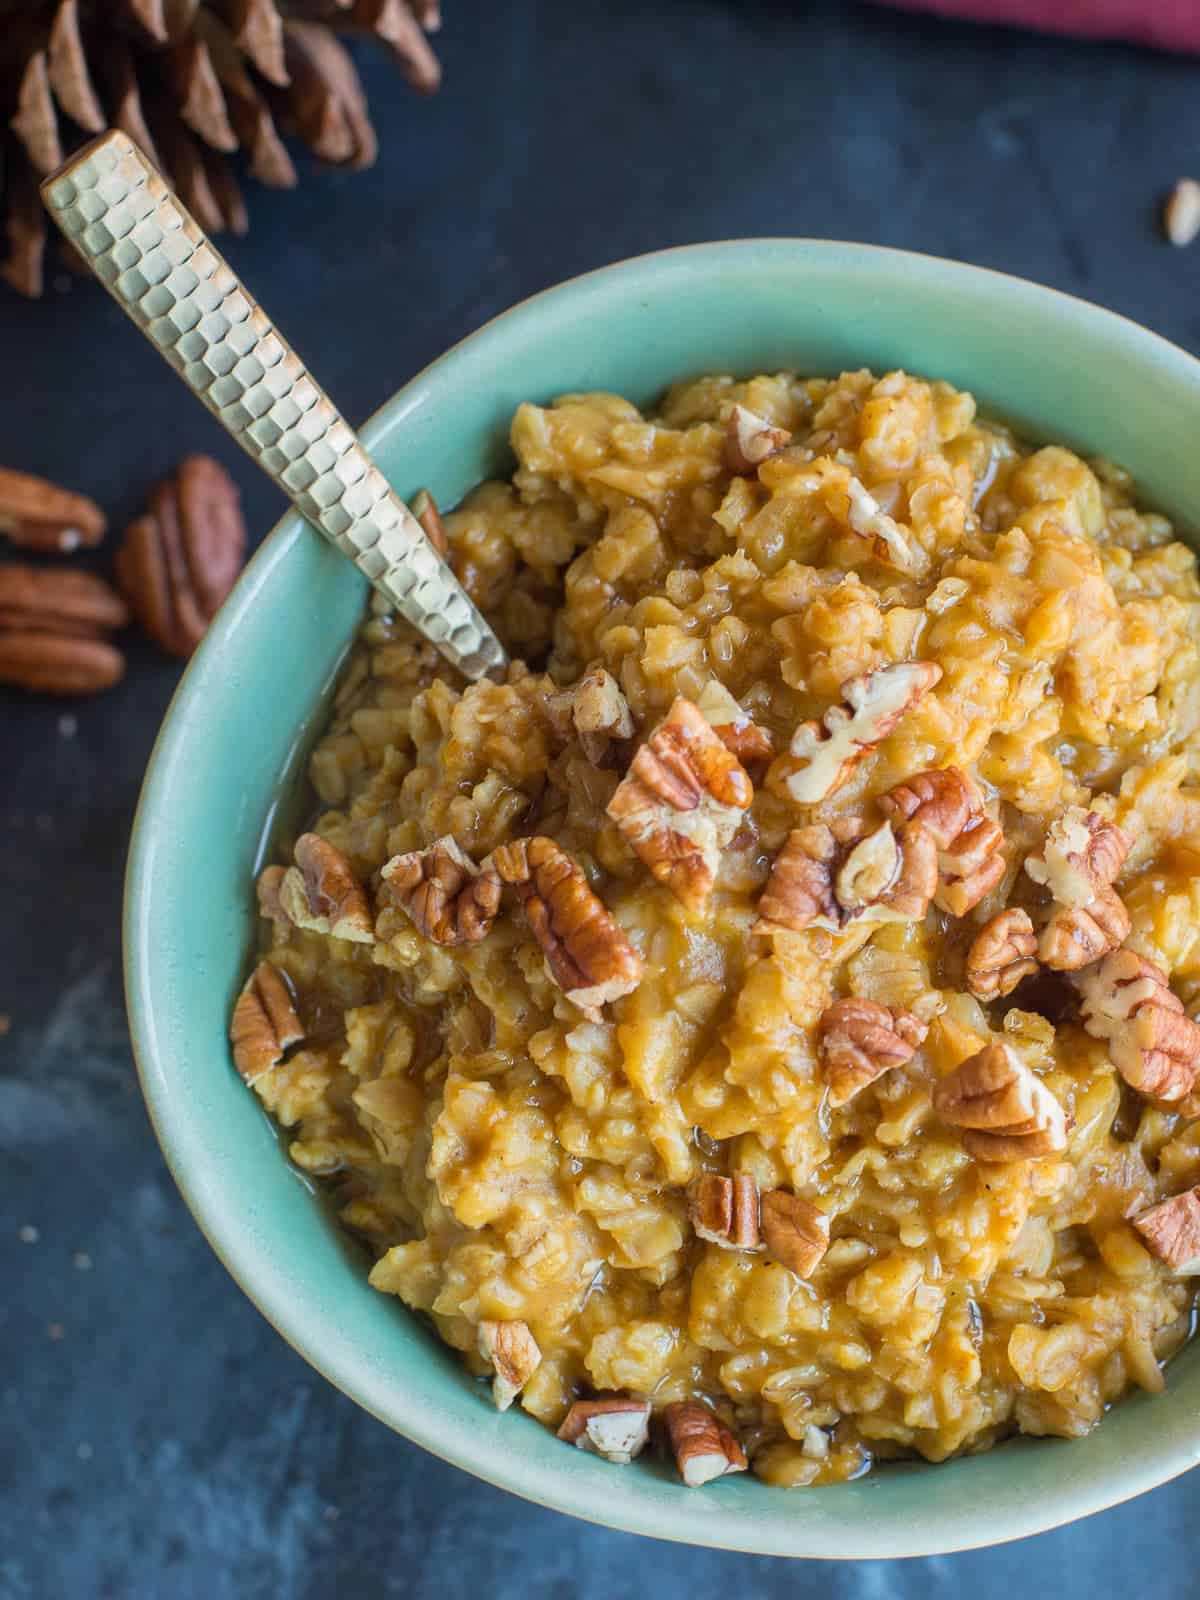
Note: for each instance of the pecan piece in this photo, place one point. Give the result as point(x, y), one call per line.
point(795, 1231)
point(681, 802)
point(827, 875)
point(1002, 953)
point(1172, 1230)
point(890, 544)
point(267, 889)
point(322, 894)
point(587, 954)
point(53, 627)
point(617, 1429)
point(177, 563)
point(443, 892)
point(737, 731)
point(1004, 1109)
point(424, 508)
point(513, 1354)
point(1127, 1000)
point(41, 516)
point(596, 712)
point(750, 439)
point(1080, 860)
point(724, 1211)
point(704, 1448)
point(264, 1023)
point(860, 1040)
point(946, 803)
point(873, 705)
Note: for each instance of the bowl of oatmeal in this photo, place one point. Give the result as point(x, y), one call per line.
point(734, 1077)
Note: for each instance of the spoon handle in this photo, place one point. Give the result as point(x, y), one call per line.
point(164, 271)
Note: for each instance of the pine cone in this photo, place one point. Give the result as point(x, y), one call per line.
point(190, 81)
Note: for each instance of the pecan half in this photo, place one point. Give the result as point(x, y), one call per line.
point(53, 628)
point(443, 892)
point(737, 731)
point(41, 516)
point(795, 1231)
point(859, 1040)
point(681, 802)
point(322, 894)
point(1005, 1110)
point(617, 1429)
point(1082, 855)
point(514, 1356)
point(704, 1448)
point(1002, 953)
point(1127, 1000)
point(596, 712)
point(424, 508)
point(587, 954)
point(1172, 1231)
point(725, 1210)
point(1078, 936)
point(946, 803)
point(177, 563)
point(1082, 851)
point(828, 875)
point(264, 1023)
point(750, 439)
point(873, 705)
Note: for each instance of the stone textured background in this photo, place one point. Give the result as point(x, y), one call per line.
point(157, 1438)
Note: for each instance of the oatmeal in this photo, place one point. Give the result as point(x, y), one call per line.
point(760, 1027)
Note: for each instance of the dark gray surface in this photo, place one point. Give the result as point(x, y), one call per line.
point(167, 1442)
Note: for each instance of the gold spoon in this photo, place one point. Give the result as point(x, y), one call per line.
point(163, 270)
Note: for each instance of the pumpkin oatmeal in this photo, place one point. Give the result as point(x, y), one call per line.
point(761, 1024)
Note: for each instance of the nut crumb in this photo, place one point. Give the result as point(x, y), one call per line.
point(81, 1261)
point(29, 1234)
point(514, 1356)
point(56, 1331)
point(1181, 213)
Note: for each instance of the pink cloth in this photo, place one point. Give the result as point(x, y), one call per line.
point(1167, 24)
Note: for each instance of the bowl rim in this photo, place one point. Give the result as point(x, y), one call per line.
point(1078, 1499)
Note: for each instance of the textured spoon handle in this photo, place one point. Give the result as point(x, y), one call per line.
point(160, 266)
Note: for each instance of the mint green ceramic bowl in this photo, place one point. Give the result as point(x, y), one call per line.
point(1062, 370)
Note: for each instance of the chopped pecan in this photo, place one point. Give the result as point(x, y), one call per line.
point(424, 508)
point(795, 1231)
point(859, 1040)
point(737, 731)
point(587, 954)
point(1005, 1110)
point(1172, 1230)
point(264, 1023)
point(890, 544)
point(443, 892)
point(270, 906)
point(322, 894)
point(970, 844)
point(596, 711)
point(827, 875)
point(1080, 860)
point(725, 1210)
point(514, 1357)
point(1127, 1000)
point(179, 561)
point(41, 516)
point(53, 627)
point(704, 1448)
point(681, 802)
point(616, 1428)
point(750, 439)
point(1002, 953)
point(873, 705)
